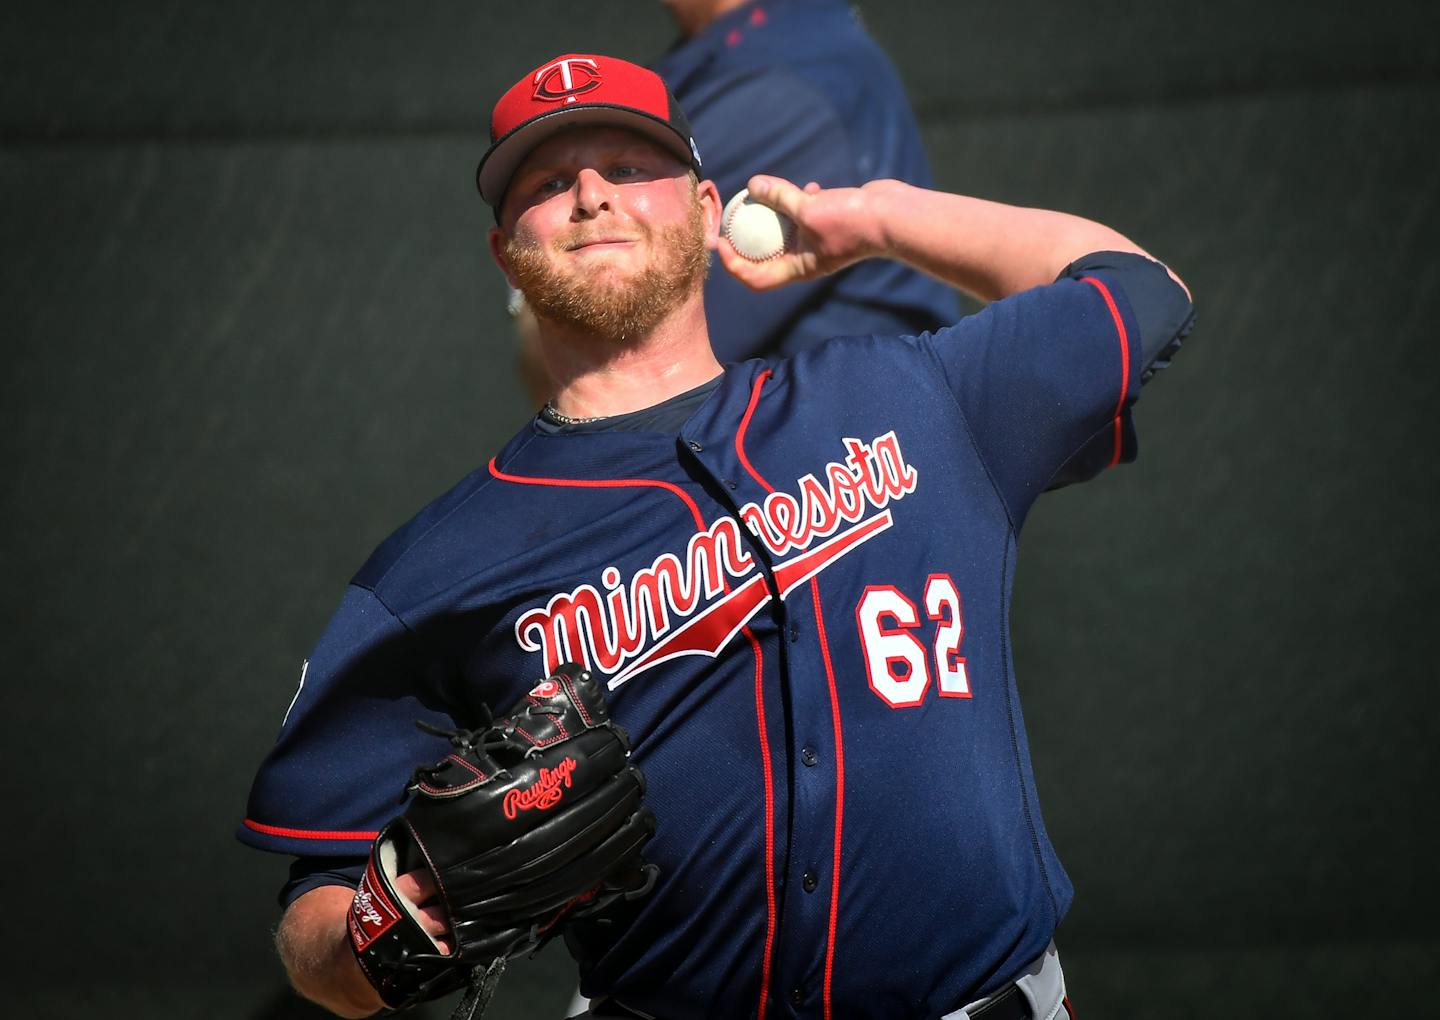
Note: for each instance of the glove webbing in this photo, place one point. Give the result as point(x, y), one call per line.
point(481, 988)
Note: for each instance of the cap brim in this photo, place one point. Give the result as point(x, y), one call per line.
point(497, 166)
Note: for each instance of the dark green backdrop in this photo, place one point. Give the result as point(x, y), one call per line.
point(249, 326)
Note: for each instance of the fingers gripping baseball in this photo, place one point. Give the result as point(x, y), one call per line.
point(832, 229)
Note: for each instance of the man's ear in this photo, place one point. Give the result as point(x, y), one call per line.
point(498, 241)
point(710, 208)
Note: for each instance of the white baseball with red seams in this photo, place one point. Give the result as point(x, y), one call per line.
point(756, 231)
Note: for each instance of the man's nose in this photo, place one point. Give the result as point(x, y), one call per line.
point(592, 194)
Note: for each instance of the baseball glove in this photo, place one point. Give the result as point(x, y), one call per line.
point(529, 821)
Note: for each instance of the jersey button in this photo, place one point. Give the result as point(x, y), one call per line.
point(810, 881)
point(794, 632)
point(797, 997)
point(809, 757)
point(694, 446)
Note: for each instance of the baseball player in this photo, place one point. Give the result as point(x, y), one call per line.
point(792, 578)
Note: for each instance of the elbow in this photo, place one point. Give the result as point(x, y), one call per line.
point(1179, 283)
point(314, 947)
point(341, 1002)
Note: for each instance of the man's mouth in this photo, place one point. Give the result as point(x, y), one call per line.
point(599, 243)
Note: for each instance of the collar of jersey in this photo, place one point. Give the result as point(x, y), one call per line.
point(668, 416)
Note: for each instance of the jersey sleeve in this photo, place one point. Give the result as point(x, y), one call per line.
point(1163, 317)
point(308, 873)
point(348, 743)
point(1041, 375)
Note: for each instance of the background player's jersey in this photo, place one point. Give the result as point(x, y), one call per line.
point(798, 89)
point(800, 603)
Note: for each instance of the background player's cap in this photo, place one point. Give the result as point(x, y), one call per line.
point(579, 89)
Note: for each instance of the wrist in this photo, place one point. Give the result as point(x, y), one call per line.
point(882, 201)
point(355, 989)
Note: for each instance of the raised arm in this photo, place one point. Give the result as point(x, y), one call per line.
point(987, 249)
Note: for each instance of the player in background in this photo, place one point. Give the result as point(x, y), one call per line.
point(798, 89)
point(793, 574)
point(795, 88)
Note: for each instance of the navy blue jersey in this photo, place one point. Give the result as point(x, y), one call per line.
point(796, 88)
point(799, 600)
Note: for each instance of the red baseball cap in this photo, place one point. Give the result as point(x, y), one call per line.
point(580, 89)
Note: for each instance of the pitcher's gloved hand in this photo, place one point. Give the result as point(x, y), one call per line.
point(534, 819)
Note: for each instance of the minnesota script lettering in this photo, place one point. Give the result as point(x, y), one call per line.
point(652, 618)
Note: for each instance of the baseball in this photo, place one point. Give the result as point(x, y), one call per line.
point(757, 231)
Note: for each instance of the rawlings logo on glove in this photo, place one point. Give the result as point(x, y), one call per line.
point(371, 914)
point(545, 794)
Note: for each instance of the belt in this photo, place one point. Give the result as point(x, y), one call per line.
point(1042, 981)
point(1008, 1005)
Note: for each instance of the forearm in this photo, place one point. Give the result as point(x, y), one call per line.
point(315, 948)
point(987, 249)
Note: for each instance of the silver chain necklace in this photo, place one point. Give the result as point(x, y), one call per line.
point(565, 419)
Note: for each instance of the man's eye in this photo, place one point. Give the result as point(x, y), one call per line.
point(626, 171)
point(552, 185)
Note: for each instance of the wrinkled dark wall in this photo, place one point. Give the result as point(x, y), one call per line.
point(250, 326)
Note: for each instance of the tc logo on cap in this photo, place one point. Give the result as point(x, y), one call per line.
point(545, 100)
point(565, 79)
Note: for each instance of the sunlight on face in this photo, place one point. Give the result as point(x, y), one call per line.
point(606, 232)
point(605, 299)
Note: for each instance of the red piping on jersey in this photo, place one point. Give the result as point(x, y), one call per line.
point(604, 483)
point(769, 822)
point(834, 719)
point(764, 739)
point(277, 830)
point(618, 483)
point(1124, 359)
point(745, 424)
point(839, 790)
